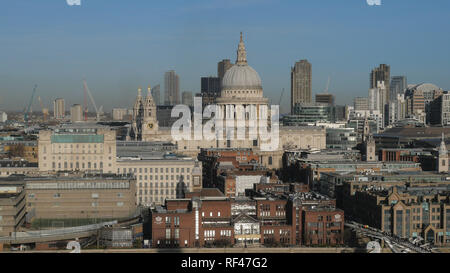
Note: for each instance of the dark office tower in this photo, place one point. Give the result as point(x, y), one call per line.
point(301, 77)
point(398, 86)
point(222, 68)
point(325, 99)
point(172, 88)
point(381, 74)
point(210, 85)
point(156, 94)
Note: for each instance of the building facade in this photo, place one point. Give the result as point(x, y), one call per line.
point(82, 147)
point(12, 206)
point(172, 88)
point(301, 83)
point(56, 200)
point(76, 113)
point(59, 111)
point(221, 221)
point(382, 74)
point(161, 177)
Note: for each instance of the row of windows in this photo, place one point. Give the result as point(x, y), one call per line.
point(151, 199)
point(211, 214)
point(77, 165)
point(172, 177)
point(150, 170)
point(78, 158)
point(93, 204)
point(77, 146)
point(167, 192)
point(172, 184)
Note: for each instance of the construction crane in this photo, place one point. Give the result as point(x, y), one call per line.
point(44, 110)
point(27, 110)
point(281, 96)
point(328, 86)
point(86, 90)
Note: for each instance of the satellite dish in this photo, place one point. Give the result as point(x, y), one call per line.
point(373, 247)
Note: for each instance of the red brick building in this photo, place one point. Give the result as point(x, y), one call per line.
point(240, 159)
point(301, 219)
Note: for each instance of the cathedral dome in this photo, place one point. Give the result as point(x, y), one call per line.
point(241, 80)
point(241, 77)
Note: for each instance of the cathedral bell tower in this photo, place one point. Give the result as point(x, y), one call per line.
point(369, 149)
point(138, 111)
point(150, 122)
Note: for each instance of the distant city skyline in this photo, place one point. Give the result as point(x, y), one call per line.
point(118, 46)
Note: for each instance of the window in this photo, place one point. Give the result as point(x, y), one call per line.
point(120, 204)
point(95, 195)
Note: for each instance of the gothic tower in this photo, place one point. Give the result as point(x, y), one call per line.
point(150, 122)
point(369, 148)
point(138, 112)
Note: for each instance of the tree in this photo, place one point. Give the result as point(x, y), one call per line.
point(16, 150)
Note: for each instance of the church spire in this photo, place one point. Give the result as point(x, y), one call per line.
point(149, 91)
point(443, 147)
point(241, 53)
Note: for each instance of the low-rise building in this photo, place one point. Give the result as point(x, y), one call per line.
point(12, 206)
point(162, 176)
point(72, 199)
point(300, 219)
point(17, 167)
point(407, 212)
point(78, 147)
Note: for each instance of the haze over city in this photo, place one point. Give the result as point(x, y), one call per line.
point(224, 132)
point(118, 46)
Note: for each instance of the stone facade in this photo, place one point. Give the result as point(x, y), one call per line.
point(83, 147)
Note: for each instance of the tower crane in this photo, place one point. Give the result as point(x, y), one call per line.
point(44, 110)
point(86, 90)
point(328, 86)
point(27, 110)
point(281, 96)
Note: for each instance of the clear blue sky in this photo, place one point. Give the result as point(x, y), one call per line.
point(118, 45)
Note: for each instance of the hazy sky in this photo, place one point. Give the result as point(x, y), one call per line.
point(118, 45)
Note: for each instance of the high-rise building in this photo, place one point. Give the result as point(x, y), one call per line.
point(222, 68)
point(361, 104)
point(325, 99)
point(156, 94)
point(377, 97)
point(301, 77)
point(59, 108)
point(3, 117)
point(398, 86)
point(76, 113)
point(172, 88)
point(187, 98)
point(210, 90)
point(381, 74)
point(210, 85)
